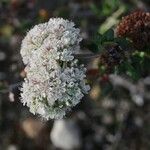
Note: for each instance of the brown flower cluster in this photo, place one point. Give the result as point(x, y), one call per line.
point(136, 27)
point(113, 56)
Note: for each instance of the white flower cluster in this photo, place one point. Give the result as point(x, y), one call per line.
point(54, 81)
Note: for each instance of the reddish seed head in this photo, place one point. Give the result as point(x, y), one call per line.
point(135, 26)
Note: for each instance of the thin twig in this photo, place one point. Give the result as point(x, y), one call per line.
point(86, 56)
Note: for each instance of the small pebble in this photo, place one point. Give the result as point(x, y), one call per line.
point(66, 135)
point(12, 147)
point(2, 56)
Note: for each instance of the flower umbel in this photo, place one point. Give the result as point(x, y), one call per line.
point(135, 26)
point(111, 57)
point(54, 81)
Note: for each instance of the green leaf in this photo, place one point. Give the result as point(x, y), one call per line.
point(141, 61)
point(96, 44)
point(93, 47)
point(132, 71)
point(123, 43)
point(97, 38)
point(108, 36)
point(109, 6)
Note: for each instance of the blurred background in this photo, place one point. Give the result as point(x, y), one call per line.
point(102, 121)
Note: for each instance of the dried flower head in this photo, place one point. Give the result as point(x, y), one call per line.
point(135, 26)
point(54, 81)
point(112, 56)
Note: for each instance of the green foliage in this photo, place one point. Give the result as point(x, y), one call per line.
point(99, 41)
point(128, 69)
point(106, 8)
point(134, 64)
point(108, 36)
point(109, 6)
point(124, 43)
